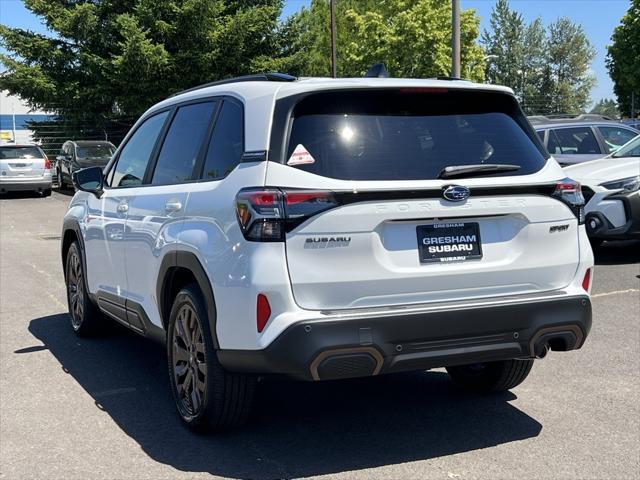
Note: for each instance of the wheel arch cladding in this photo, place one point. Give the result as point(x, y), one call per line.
point(177, 270)
point(71, 233)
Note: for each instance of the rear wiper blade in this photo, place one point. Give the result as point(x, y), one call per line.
point(453, 171)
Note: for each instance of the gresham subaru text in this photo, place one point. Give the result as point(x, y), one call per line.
point(328, 229)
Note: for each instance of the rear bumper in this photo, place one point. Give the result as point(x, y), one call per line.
point(598, 225)
point(36, 184)
point(371, 344)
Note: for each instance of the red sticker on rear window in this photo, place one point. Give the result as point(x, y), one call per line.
point(300, 156)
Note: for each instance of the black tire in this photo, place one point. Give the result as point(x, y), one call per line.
point(491, 376)
point(46, 192)
point(221, 400)
point(86, 319)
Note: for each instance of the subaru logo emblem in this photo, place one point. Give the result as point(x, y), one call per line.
point(456, 193)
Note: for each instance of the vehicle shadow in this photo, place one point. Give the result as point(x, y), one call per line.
point(617, 253)
point(20, 194)
point(298, 429)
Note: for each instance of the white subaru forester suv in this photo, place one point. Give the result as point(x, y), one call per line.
point(328, 229)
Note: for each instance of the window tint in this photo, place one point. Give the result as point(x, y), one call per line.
point(97, 150)
point(576, 140)
point(615, 137)
point(408, 134)
point(182, 144)
point(134, 157)
point(226, 146)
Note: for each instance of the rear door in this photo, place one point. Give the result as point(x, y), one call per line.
point(389, 232)
point(21, 162)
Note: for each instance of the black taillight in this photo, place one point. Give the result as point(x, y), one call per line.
point(266, 214)
point(569, 192)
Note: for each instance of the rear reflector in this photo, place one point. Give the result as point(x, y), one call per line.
point(263, 312)
point(586, 280)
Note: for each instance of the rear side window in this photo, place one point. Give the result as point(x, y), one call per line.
point(134, 157)
point(182, 144)
point(8, 153)
point(615, 137)
point(575, 140)
point(409, 134)
point(226, 145)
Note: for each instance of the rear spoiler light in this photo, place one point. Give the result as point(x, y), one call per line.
point(268, 214)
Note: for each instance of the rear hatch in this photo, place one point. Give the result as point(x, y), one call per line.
point(371, 224)
point(21, 162)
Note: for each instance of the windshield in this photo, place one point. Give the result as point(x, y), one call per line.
point(98, 150)
point(631, 149)
point(7, 153)
point(408, 134)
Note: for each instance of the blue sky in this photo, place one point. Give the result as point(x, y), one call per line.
point(598, 17)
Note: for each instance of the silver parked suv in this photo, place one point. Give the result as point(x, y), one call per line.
point(26, 168)
point(327, 229)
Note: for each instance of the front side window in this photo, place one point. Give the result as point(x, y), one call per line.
point(226, 145)
point(408, 134)
point(135, 155)
point(576, 141)
point(182, 144)
point(615, 137)
point(632, 149)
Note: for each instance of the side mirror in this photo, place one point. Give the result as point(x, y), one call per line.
point(89, 180)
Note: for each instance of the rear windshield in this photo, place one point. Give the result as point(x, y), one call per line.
point(7, 153)
point(89, 151)
point(409, 134)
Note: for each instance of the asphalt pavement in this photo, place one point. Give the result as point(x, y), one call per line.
point(73, 408)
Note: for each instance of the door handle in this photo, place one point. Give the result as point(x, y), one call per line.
point(172, 206)
point(123, 207)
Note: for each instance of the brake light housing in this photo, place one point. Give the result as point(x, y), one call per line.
point(47, 163)
point(569, 192)
point(267, 214)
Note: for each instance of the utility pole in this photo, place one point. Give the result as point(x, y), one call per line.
point(455, 38)
point(334, 67)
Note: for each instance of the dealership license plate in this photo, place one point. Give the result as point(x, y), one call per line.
point(449, 242)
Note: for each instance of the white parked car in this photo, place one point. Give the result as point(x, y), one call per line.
point(327, 229)
point(611, 187)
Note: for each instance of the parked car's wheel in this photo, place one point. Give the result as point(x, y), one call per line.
point(207, 397)
point(85, 317)
point(491, 376)
point(46, 192)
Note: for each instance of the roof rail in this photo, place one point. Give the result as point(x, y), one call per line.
point(562, 118)
point(260, 77)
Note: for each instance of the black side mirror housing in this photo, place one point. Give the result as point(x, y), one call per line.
point(90, 180)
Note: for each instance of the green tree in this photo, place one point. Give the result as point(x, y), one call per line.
point(569, 56)
point(623, 59)
point(117, 57)
point(411, 37)
point(548, 69)
point(606, 107)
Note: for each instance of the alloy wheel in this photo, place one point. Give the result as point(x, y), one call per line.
point(75, 290)
point(189, 365)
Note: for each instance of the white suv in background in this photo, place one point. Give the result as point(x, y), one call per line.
point(327, 229)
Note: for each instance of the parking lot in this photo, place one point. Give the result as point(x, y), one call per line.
point(101, 408)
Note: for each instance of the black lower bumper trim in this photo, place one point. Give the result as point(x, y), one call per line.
point(352, 347)
point(602, 229)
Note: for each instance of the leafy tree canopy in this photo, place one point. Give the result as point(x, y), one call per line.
point(118, 57)
point(411, 37)
point(547, 68)
point(606, 107)
point(623, 59)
